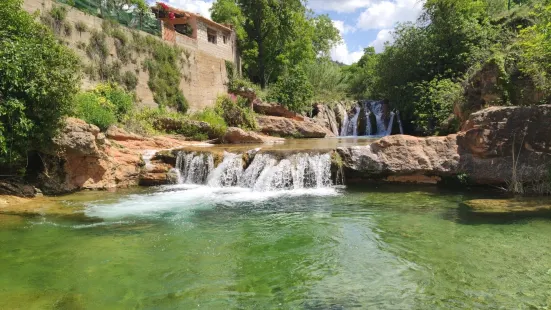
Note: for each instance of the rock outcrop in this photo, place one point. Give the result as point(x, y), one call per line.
point(499, 145)
point(236, 135)
point(273, 109)
point(327, 118)
point(83, 158)
point(287, 127)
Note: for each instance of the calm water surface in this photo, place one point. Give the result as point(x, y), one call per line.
point(195, 247)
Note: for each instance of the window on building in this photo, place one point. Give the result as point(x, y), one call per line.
point(225, 37)
point(211, 36)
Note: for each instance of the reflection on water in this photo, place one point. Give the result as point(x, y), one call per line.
point(190, 246)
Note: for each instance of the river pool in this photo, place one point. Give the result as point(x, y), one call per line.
point(199, 247)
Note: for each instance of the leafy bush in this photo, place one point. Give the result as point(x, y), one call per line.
point(94, 109)
point(39, 80)
point(434, 109)
point(292, 90)
point(104, 106)
point(210, 116)
point(236, 112)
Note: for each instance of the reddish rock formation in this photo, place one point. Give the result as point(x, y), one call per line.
point(286, 127)
point(82, 158)
point(273, 109)
point(236, 135)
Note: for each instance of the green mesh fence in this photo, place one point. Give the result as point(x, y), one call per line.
point(126, 16)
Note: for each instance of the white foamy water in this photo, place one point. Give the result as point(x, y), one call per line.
point(201, 185)
point(181, 198)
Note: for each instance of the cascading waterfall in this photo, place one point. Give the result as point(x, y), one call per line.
point(390, 124)
point(368, 129)
point(266, 172)
point(344, 128)
point(193, 167)
point(400, 122)
point(375, 111)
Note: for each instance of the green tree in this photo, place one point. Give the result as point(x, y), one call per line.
point(535, 47)
point(277, 34)
point(39, 78)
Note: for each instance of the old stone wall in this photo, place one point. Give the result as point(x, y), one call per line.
point(204, 75)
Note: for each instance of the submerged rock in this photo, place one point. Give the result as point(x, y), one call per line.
point(509, 206)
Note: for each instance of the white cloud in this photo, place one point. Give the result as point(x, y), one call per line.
point(386, 14)
point(195, 6)
point(341, 6)
point(383, 36)
point(342, 27)
point(341, 53)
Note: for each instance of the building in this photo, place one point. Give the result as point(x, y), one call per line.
point(198, 33)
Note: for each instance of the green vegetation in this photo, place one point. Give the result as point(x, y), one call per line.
point(276, 38)
point(164, 67)
point(39, 79)
point(104, 106)
point(434, 66)
point(235, 112)
point(292, 90)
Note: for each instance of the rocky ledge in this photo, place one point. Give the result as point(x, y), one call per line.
point(498, 146)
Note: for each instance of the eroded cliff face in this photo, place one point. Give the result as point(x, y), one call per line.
point(495, 143)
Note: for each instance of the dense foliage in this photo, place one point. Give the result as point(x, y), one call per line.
point(293, 90)
point(104, 106)
point(39, 78)
point(235, 112)
point(276, 37)
point(427, 71)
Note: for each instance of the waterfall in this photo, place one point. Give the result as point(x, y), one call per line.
point(372, 108)
point(352, 127)
point(266, 172)
point(368, 125)
point(377, 109)
point(344, 128)
point(193, 168)
point(400, 122)
point(390, 124)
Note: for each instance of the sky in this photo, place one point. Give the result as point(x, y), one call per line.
point(362, 23)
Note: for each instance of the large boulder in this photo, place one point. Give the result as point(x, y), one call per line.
point(236, 135)
point(77, 137)
point(273, 109)
point(286, 127)
point(412, 158)
point(499, 145)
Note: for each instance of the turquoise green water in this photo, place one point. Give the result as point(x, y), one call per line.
point(201, 248)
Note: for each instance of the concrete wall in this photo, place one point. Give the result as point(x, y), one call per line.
point(220, 49)
point(204, 75)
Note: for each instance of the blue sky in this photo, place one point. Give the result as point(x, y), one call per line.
point(362, 23)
